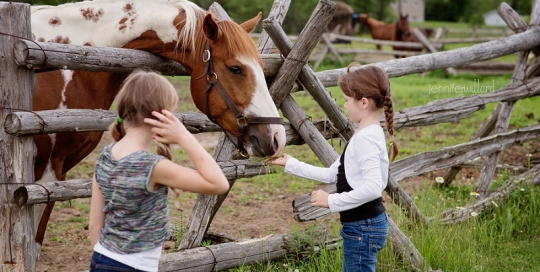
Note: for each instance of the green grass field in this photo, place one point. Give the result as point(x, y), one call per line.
point(506, 239)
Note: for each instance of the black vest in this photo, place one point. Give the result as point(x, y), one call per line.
point(365, 211)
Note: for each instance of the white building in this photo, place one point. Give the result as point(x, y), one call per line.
point(492, 18)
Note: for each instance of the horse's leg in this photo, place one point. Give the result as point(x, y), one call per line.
point(42, 213)
point(45, 169)
point(43, 220)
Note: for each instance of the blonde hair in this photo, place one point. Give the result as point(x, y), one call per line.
point(143, 92)
point(371, 82)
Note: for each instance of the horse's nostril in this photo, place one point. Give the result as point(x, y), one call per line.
point(256, 146)
point(275, 143)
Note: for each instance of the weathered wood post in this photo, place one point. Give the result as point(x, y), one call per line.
point(18, 250)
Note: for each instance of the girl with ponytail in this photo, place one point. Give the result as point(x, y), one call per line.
point(361, 172)
point(129, 214)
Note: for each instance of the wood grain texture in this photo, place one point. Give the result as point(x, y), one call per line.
point(18, 250)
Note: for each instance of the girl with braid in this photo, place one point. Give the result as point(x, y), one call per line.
point(361, 172)
point(129, 214)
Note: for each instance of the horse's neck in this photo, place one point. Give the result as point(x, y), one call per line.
point(398, 32)
point(373, 23)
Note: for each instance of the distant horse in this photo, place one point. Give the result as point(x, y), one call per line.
point(407, 36)
point(402, 33)
point(177, 30)
point(398, 31)
point(382, 31)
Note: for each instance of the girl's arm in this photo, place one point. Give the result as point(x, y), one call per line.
point(301, 169)
point(97, 216)
point(206, 179)
point(363, 168)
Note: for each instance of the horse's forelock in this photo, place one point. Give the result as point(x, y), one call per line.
point(237, 41)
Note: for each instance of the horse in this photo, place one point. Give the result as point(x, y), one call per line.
point(397, 31)
point(380, 30)
point(238, 100)
point(402, 33)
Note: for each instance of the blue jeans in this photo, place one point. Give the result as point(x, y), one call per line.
point(362, 240)
point(102, 263)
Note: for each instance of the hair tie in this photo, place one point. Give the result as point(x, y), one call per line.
point(119, 120)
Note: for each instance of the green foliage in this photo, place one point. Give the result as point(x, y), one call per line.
point(444, 10)
point(469, 11)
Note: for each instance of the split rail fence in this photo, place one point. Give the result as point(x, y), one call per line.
point(18, 193)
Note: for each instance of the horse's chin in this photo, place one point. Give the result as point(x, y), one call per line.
point(255, 148)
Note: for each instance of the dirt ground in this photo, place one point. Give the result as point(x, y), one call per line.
point(248, 212)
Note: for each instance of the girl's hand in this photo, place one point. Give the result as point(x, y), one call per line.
point(168, 130)
point(319, 198)
point(280, 160)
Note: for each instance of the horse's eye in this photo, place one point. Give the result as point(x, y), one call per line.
point(235, 70)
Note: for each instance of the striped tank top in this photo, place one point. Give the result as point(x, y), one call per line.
point(136, 219)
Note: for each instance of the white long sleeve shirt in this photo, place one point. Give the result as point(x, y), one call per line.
point(366, 169)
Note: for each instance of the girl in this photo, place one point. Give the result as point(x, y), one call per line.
point(361, 172)
point(129, 213)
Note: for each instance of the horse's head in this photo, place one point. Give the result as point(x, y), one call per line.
point(402, 28)
point(362, 18)
point(229, 86)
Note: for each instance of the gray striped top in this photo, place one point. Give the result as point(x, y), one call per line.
point(136, 219)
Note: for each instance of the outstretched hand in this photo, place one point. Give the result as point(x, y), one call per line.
point(280, 160)
point(167, 129)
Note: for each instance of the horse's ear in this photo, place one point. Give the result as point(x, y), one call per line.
point(211, 29)
point(249, 25)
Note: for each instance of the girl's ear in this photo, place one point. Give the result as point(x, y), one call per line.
point(365, 103)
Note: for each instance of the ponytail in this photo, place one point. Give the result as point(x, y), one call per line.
point(389, 117)
point(117, 129)
point(164, 150)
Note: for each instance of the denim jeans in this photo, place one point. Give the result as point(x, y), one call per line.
point(102, 263)
point(362, 240)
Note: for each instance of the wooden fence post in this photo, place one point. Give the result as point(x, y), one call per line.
point(18, 250)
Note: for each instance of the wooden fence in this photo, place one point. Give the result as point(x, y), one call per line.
point(18, 194)
point(424, 46)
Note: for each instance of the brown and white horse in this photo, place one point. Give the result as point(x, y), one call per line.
point(177, 30)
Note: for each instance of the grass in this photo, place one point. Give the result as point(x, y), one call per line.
point(503, 240)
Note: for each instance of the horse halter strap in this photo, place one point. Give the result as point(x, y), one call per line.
point(241, 119)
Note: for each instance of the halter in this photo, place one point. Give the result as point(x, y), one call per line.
point(241, 119)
